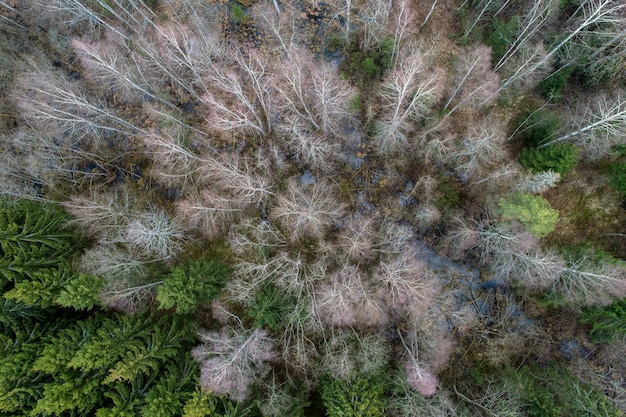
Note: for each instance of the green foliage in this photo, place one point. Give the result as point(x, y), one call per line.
point(552, 391)
point(200, 404)
point(608, 324)
point(617, 172)
point(552, 87)
point(575, 255)
point(449, 196)
point(237, 13)
point(369, 66)
point(81, 292)
point(117, 365)
point(36, 253)
point(20, 387)
point(537, 126)
point(41, 290)
point(362, 397)
point(559, 158)
point(33, 237)
point(533, 211)
point(194, 282)
point(203, 404)
point(500, 36)
point(15, 316)
point(269, 308)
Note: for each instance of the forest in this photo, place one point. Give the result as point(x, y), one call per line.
point(289, 208)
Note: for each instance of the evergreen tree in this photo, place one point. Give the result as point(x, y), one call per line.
point(362, 397)
point(192, 283)
point(36, 252)
point(533, 211)
point(559, 158)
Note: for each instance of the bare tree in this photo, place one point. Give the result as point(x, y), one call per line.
point(233, 359)
point(403, 17)
point(208, 213)
point(183, 56)
point(481, 147)
point(307, 212)
point(253, 236)
point(601, 128)
point(358, 237)
point(239, 98)
point(514, 253)
point(54, 104)
point(430, 12)
point(538, 183)
point(238, 179)
point(475, 82)
point(311, 147)
point(405, 283)
point(373, 21)
point(540, 12)
point(346, 353)
point(406, 95)
point(129, 280)
point(588, 281)
point(484, 7)
point(315, 94)
point(101, 215)
point(106, 66)
point(155, 234)
point(419, 376)
point(283, 26)
point(346, 300)
point(609, 60)
point(589, 15)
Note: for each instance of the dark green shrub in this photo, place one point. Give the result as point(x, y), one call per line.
point(608, 324)
point(553, 391)
point(269, 308)
point(362, 397)
point(449, 196)
point(537, 127)
point(237, 13)
point(552, 87)
point(559, 158)
point(501, 35)
point(617, 172)
point(368, 66)
point(193, 283)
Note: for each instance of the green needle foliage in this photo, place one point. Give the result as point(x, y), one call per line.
point(537, 126)
point(107, 365)
point(552, 391)
point(533, 211)
point(608, 324)
point(269, 308)
point(362, 397)
point(193, 283)
point(33, 237)
point(37, 249)
point(559, 158)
